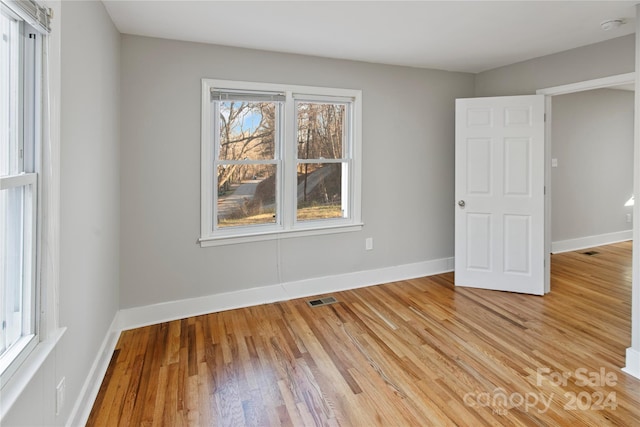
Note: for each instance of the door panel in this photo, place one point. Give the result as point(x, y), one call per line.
point(478, 241)
point(479, 171)
point(499, 214)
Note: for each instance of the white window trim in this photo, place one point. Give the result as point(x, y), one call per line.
point(50, 332)
point(289, 227)
point(13, 358)
point(20, 363)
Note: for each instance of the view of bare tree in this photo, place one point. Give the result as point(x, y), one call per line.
point(247, 132)
point(320, 136)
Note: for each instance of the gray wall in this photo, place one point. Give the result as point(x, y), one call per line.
point(130, 194)
point(408, 146)
point(592, 138)
point(604, 59)
point(89, 252)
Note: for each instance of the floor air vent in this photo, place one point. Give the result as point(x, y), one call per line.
point(590, 253)
point(321, 301)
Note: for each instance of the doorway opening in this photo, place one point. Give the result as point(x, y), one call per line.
point(607, 82)
point(592, 168)
point(574, 88)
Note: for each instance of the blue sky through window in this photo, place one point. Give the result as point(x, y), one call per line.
point(247, 122)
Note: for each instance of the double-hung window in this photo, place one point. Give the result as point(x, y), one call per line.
point(20, 111)
point(278, 161)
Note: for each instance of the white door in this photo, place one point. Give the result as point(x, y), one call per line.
point(499, 212)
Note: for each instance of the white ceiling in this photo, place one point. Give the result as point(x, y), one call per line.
point(469, 36)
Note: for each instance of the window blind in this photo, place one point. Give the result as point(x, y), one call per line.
point(321, 98)
point(240, 95)
point(35, 15)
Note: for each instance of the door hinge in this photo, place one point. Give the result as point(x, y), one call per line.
point(544, 191)
point(545, 117)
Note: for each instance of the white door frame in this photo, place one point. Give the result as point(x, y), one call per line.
point(605, 82)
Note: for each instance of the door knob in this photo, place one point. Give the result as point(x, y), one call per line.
point(461, 203)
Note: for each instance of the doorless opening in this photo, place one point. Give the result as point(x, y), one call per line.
point(606, 82)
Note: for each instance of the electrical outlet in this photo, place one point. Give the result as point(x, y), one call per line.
point(60, 396)
point(628, 217)
point(368, 243)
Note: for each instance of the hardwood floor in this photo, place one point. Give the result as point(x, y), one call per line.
point(416, 352)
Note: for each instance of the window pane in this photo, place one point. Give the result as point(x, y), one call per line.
point(321, 130)
point(9, 146)
point(247, 130)
point(11, 265)
point(246, 195)
point(320, 191)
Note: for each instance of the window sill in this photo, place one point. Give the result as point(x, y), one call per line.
point(14, 387)
point(278, 234)
point(15, 356)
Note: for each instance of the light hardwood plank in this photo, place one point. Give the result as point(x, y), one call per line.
point(416, 352)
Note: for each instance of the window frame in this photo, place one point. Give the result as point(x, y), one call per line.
point(29, 122)
point(276, 161)
point(347, 154)
point(286, 225)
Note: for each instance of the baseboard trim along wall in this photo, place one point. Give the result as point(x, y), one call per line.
point(590, 241)
point(156, 313)
point(82, 408)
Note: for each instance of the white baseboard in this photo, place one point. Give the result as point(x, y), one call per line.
point(157, 313)
point(633, 362)
point(590, 241)
point(82, 408)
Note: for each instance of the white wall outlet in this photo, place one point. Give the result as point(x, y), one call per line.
point(554, 163)
point(628, 217)
point(368, 243)
point(60, 396)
